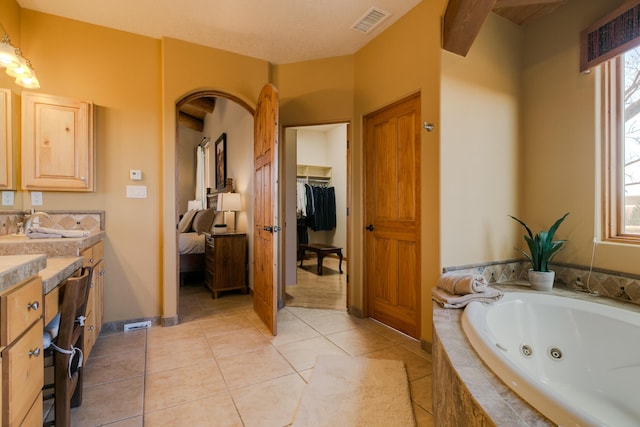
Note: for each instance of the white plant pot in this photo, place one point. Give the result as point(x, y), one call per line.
point(541, 280)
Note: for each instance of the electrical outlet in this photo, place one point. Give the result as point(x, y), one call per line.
point(7, 198)
point(36, 198)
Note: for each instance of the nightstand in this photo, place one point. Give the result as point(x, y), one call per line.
point(226, 262)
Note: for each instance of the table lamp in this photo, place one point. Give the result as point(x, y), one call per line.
point(228, 203)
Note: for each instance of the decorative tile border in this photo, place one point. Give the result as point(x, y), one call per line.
point(69, 220)
point(611, 284)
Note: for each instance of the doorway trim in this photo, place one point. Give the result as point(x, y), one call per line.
point(191, 96)
point(283, 176)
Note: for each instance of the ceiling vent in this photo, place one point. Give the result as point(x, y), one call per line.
point(370, 20)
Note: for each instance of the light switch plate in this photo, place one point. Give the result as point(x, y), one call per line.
point(36, 198)
point(7, 198)
point(136, 191)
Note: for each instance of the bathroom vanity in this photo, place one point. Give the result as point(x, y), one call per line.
point(32, 274)
point(21, 305)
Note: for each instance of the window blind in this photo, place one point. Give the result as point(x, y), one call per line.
point(611, 35)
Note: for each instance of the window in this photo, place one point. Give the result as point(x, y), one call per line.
point(621, 147)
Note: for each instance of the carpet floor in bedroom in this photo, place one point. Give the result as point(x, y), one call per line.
point(221, 367)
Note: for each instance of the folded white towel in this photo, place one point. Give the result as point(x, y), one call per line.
point(462, 284)
point(39, 232)
point(448, 300)
point(35, 235)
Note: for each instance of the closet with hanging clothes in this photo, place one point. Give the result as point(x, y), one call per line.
point(315, 201)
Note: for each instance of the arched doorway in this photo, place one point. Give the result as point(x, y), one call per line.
point(205, 115)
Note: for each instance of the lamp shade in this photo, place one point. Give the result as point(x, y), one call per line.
point(22, 69)
point(228, 202)
point(8, 56)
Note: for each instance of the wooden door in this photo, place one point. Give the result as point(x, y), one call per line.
point(265, 142)
point(392, 215)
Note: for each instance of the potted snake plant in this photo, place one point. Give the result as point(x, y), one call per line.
point(542, 249)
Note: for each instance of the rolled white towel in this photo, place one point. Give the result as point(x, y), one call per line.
point(448, 300)
point(462, 284)
point(58, 232)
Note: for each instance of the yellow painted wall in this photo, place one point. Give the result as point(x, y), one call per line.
point(188, 68)
point(315, 91)
point(561, 148)
point(403, 60)
point(480, 146)
point(120, 73)
point(519, 95)
point(134, 82)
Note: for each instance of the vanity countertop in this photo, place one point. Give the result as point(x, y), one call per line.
point(59, 269)
point(53, 270)
point(16, 268)
point(53, 247)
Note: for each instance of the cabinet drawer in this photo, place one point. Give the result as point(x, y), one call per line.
point(23, 374)
point(93, 254)
point(34, 416)
point(19, 308)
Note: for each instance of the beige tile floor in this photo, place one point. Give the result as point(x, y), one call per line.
point(221, 367)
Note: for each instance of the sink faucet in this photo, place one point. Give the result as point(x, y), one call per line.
point(35, 217)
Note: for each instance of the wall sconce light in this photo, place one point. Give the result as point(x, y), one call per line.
point(228, 203)
point(17, 66)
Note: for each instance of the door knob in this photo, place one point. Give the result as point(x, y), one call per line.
point(370, 227)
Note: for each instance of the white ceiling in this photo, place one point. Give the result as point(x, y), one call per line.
point(279, 31)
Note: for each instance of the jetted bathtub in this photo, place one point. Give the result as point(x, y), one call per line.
point(577, 362)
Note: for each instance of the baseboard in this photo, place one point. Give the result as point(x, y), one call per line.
point(170, 321)
point(426, 346)
point(355, 311)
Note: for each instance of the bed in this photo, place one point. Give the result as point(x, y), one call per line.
point(191, 228)
point(191, 240)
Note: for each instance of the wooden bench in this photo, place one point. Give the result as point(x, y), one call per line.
point(321, 251)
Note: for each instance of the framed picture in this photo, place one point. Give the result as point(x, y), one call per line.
point(220, 147)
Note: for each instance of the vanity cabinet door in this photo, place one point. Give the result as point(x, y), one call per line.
point(21, 357)
point(57, 143)
point(94, 313)
point(20, 307)
point(6, 140)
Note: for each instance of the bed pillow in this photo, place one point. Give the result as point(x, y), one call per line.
point(203, 221)
point(184, 226)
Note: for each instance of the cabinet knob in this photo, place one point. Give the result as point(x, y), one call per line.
point(34, 353)
point(101, 273)
point(91, 328)
point(90, 260)
point(33, 306)
point(82, 178)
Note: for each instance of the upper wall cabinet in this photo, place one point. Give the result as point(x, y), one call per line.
point(57, 143)
point(6, 140)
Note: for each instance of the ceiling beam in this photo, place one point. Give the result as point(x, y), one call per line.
point(190, 122)
point(204, 104)
point(463, 20)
